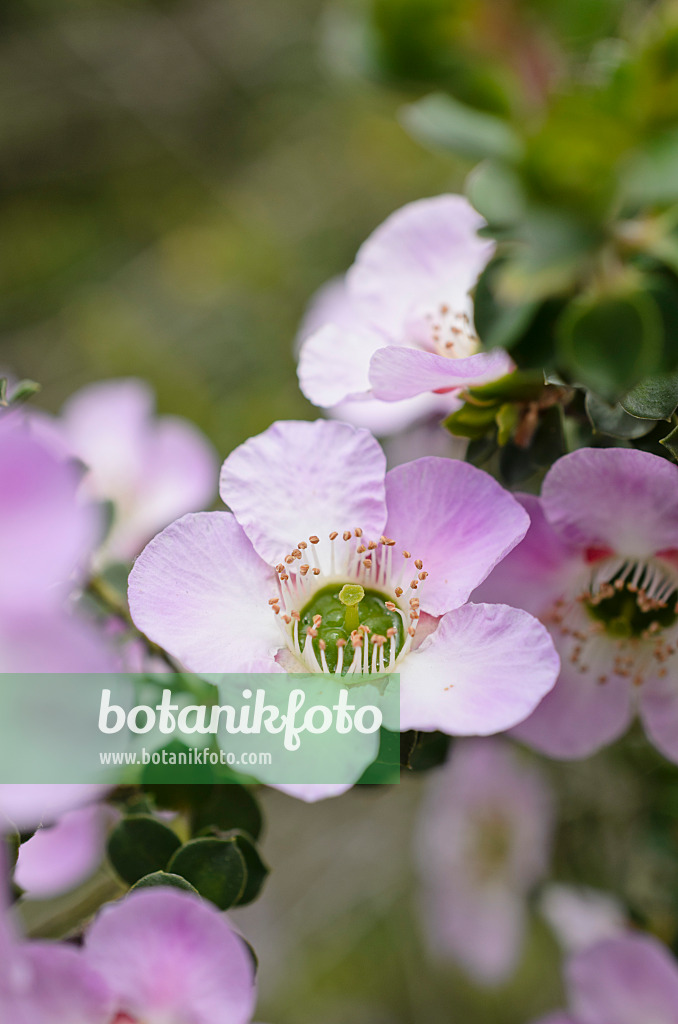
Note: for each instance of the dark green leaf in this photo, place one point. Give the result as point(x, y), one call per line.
point(610, 344)
point(140, 845)
point(655, 398)
point(495, 190)
point(257, 869)
point(24, 390)
point(441, 121)
point(499, 323)
point(421, 751)
point(614, 420)
point(670, 442)
point(163, 878)
point(215, 867)
point(229, 807)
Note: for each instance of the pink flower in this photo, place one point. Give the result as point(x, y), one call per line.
point(483, 843)
point(394, 344)
point(158, 956)
point(629, 980)
point(152, 469)
point(599, 567)
point(580, 916)
point(314, 510)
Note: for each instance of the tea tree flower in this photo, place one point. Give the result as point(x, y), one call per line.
point(483, 843)
point(150, 468)
point(629, 980)
point(599, 567)
point(313, 512)
point(156, 957)
point(399, 330)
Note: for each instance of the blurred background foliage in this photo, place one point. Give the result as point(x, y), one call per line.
point(178, 176)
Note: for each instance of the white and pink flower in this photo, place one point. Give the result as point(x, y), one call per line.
point(313, 510)
point(393, 344)
point(599, 566)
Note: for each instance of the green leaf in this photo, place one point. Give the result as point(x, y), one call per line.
point(652, 173)
point(215, 867)
point(3, 390)
point(164, 878)
point(507, 420)
point(421, 751)
point(495, 191)
point(441, 121)
point(229, 807)
point(655, 398)
point(471, 420)
point(24, 390)
point(257, 869)
point(140, 845)
point(519, 386)
point(499, 323)
point(670, 442)
point(614, 420)
point(610, 344)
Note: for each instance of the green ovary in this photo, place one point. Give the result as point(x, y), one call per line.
point(622, 616)
point(371, 612)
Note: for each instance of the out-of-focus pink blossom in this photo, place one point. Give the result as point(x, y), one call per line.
point(151, 468)
point(483, 842)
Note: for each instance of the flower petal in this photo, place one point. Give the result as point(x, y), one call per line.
point(396, 373)
point(45, 531)
point(483, 670)
point(539, 570)
point(631, 501)
point(457, 520)
point(429, 249)
point(385, 418)
point(334, 364)
point(579, 715)
point(659, 711)
point(200, 591)
point(298, 479)
point(60, 857)
point(630, 980)
point(52, 641)
point(30, 805)
point(168, 955)
point(54, 985)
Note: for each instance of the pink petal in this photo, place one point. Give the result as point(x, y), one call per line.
point(58, 858)
point(311, 792)
point(302, 479)
point(483, 670)
point(581, 917)
point(168, 955)
point(52, 641)
point(539, 570)
point(334, 364)
point(30, 805)
point(579, 715)
point(397, 373)
point(631, 501)
point(54, 985)
point(457, 520)
point(659, 711)
point(201, 592)
point(427, 250)
point(630, 980)
point(386, 418)
point(46, 532)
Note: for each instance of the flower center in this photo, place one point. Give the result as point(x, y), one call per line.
point(358, 613)
point(446, 331)
point(632, 604)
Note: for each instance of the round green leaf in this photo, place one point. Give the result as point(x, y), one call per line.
point(439, 120)
point(610, 344)
point(164, 878)
point(215, 867)
point(614, 420)
point(139, 846)
point(257, 869)
point(655, 398)
point(229, 807)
